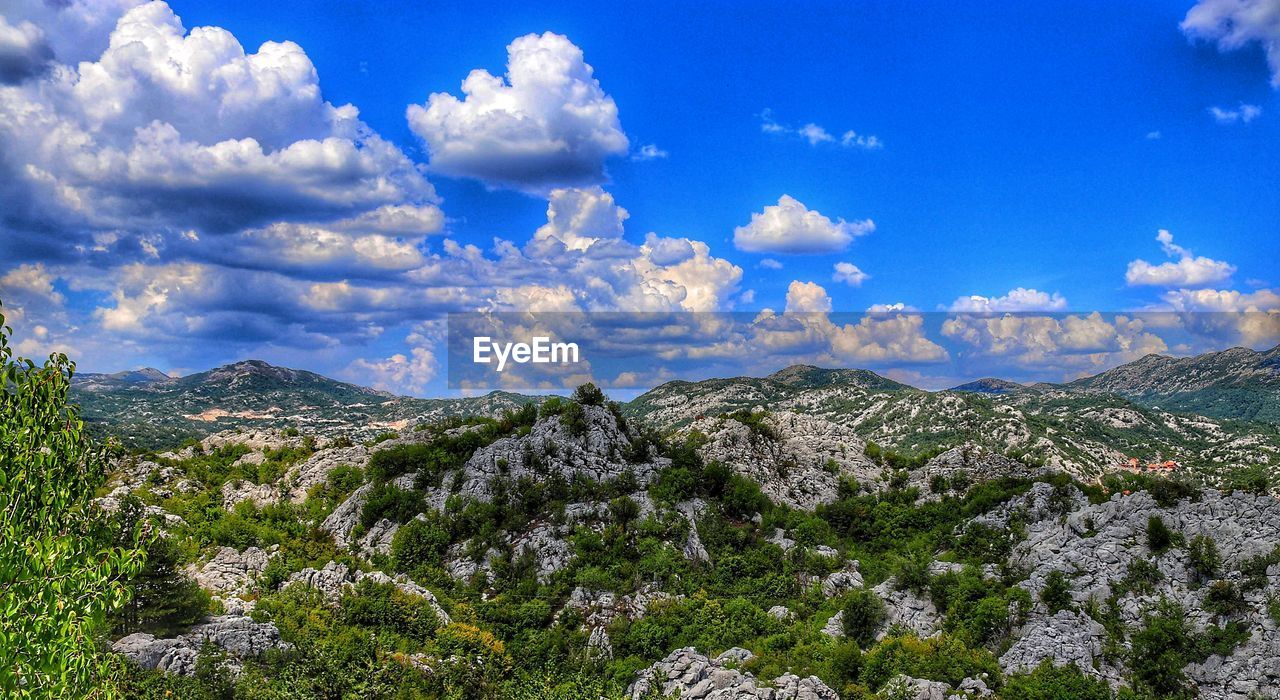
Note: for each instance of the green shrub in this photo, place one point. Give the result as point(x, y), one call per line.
point(390, 502)
point(589, 395)
point(864, 613)
point(1224, 599)
point(941, 658)
point(1056, 594)
point(1203, 557)
point(1049, 682)
point(420, 542)
point(1159, 537)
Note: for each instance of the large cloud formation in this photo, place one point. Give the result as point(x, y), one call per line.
point(789, 227)
point(547, 124)
point(1234, 24)
point(170, 134)
point(1186, 270)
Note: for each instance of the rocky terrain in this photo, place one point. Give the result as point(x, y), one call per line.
point(727, 539)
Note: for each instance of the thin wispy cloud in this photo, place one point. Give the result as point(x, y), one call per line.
point(816, 135)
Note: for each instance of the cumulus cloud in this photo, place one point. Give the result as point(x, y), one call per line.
point(1186, 271)
point(816, 135)
point(400, 373)
point(849, 274)
point(24, 53)
point(1234, 24)
point(806, 332)
point(546, 124)
point(1242, 114)
point(1247, 318)
point(1019, 299)
point(769, 264)
point(169, 131)
point(1076, 343)
point(791, 228)
point(577, 218)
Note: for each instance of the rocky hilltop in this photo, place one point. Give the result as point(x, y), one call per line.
point(1235, 383)
point(769, 551)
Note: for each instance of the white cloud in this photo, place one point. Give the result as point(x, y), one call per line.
point(816, 134)
point(1153, 136)
point(169, 131)
point(33, 280)
point(580, 217)
point(24, 53)
point(649, 152)
point(805, 332)
point(41, 32)
point(789, 227)
point(1242, 114)
point(1019, 299)
point(1248, 318)
point(400, 373)
point(1186, 271)
point(769, 264)
point(547, 124)
point(849, 274)
point(1233, 24)
point(1071, 342)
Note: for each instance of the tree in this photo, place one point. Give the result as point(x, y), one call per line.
point(589, 395)
point(1204, 560)
point(1056, 594)
point(863, 615)
point(60, 573)
point(163, 599)
point(1159, 536)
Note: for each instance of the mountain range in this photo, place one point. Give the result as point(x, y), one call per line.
point(1211, 411)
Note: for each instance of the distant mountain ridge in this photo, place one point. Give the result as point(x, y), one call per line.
point(148, 408)
point(155, 409)
point(1237, 383)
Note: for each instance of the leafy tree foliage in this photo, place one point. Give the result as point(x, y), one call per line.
point(863, 615)
point(1056, 594)
point(60, 571)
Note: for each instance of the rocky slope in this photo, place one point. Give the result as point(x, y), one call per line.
point(1237, 383)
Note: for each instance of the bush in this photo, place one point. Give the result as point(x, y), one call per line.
point(1049, 682)
point(390, 502)
point(421, 542)
point(385, 609)
point(1057, 592)
point(1224, 599)
point(1159, 537)
point(589, 395)
point(941, 658)
point(863, 614)
point(345, 478)
point(1204, 559)
point(1141, 576)
point(911, 571)
point(574, 418)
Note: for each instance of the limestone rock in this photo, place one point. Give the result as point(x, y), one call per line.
point(231, 573)
point(238, 635)
point(692, 676)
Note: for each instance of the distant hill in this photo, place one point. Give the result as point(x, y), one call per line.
point(989, 385)
point(1238, 383)
point(149, 409)
point(1083, 432)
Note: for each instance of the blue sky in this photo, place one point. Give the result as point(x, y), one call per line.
point(1012, 146)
